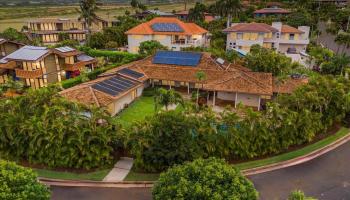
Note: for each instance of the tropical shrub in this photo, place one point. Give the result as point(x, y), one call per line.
point(162, 141)
point(20, 183)
point(204, 179)
point(265, 60)
point(150, 47)
point(44, 128)
point(299, 195)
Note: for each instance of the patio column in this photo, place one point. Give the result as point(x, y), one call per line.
point(152, 82)
point(188, 88)
point(170, 86)
point(214, 97)
point(236, 100)
point(259, 104)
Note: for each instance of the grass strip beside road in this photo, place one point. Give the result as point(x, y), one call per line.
point(91, 176)
point(135, 176)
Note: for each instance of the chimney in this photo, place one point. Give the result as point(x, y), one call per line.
point(277, 25)
point(306, 30)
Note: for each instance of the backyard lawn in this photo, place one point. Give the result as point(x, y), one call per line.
point(137, 111)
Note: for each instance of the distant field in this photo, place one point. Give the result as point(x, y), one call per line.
point(16, 17)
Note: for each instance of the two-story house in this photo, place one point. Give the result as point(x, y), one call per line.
point(169, 31)
point(52, 31)
point(283, 38)
point(39, 66)
point(7, 47)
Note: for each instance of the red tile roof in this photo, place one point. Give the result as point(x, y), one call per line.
point(288, 85)
point(146, 28)
point(251, 27)
point(272, 11)
point(290, 29)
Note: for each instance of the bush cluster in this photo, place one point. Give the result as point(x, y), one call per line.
point(43, 128)
point(20, 183)
point(170, 138)
point(210, 179)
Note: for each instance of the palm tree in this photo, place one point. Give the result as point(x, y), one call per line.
point(226, 8)
point(165, 98)
point(87, 13)
point(201, 76)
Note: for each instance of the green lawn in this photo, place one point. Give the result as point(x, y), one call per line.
point(137, 111)
point(135, 176)
point(93, 176)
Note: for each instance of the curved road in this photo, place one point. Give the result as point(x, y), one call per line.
point(326, 178)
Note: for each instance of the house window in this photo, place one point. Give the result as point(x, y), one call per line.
point(261, 36)
point(239, 36)
point(291, 36)
point(272, 45)
point(277, 35)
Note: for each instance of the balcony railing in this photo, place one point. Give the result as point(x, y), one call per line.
point(20, 73)
point(184, 42)
point(74, 67)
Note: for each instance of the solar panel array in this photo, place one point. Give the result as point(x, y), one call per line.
point(65, 49)
point(115, 85)
point(167, 27)
point(131, 73)
point(181, 58)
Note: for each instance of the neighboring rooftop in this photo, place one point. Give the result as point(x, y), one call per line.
point(251, 27)
point(147, 28)
point(290, 29)
point(27, 53)
point(273, 10)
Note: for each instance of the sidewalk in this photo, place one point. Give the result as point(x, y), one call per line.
point(120, 171)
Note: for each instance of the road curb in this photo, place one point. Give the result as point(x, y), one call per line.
point(149, 184)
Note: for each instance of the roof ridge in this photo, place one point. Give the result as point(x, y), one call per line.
point(94, 96)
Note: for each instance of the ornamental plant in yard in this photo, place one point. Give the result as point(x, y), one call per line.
point(17, 182)
point(210, 179)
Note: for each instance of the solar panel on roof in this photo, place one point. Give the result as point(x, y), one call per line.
point(131, 73)
point(65, 49)
point(114, 85)
point(177, 58)
point(167, 27)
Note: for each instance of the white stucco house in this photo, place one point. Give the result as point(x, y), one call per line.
point(283, 38)
point(169, 31)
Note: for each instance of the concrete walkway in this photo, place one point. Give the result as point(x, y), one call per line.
point(121, 170)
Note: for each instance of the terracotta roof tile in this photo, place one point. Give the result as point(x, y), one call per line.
point(251, 27)
point(290, 29)
point(146, 29)
point(289, 85)
point(272, 11)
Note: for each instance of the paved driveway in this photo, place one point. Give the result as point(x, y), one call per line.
point(326, 177)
